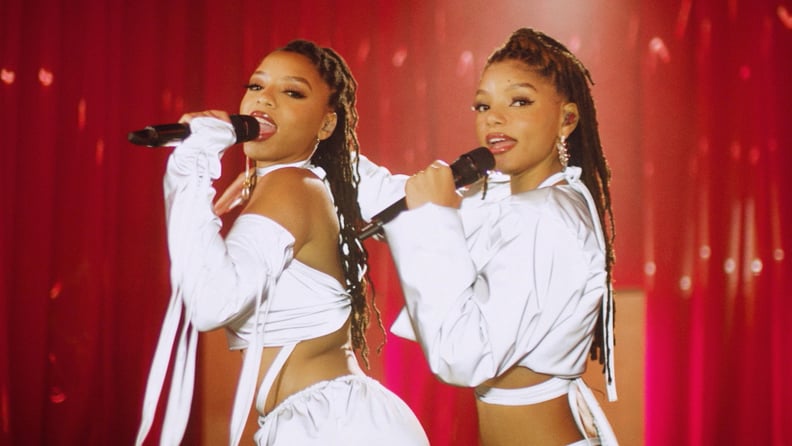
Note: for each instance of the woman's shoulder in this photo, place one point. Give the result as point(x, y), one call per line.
point(291, 181)
point(517, 212)
point(558, 212)
point(294, 191)
point(553, 202)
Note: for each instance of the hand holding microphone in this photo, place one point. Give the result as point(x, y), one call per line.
point(434, 185)
point(245, 128)
point(200, 139)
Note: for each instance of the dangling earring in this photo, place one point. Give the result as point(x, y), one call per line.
point(316, 146)
point(250, 180)
point(563, 151)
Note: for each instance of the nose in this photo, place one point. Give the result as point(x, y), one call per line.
point(265, 98)
point(494, 117)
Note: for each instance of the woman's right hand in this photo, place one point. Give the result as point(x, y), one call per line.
point(211, 133)
point(219, 114)
point(435, 185)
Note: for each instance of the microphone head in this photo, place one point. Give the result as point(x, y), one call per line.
point(472, 166)
point(246, 128)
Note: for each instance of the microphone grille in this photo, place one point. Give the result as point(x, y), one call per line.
point(472, 166)
point(246, 128)
point(483, 159)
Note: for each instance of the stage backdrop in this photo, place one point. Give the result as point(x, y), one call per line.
point(693, 99)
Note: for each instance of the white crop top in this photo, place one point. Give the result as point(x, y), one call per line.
point(305, 303)
point(520, 281)
point(247, 279)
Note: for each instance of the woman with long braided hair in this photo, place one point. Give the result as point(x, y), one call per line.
point(513, 295)
point(288, 282)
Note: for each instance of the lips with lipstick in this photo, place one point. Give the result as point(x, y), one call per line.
point(500, 143)
point(267, 126)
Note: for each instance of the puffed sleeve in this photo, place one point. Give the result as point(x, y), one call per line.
point(477, 316)
point(378, 187)
point(214, 280)
point(218, 278)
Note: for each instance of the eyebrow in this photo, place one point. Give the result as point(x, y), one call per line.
point(512, 87)
point(297, 79)
point(522, 85)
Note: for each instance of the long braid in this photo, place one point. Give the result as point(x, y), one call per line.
point(554, 61)
point(335, 155)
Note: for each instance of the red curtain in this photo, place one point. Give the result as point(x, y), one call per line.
point(692, 100)
point(716, 92)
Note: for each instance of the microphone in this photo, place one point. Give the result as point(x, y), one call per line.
point(467, 169)
point(246, 128)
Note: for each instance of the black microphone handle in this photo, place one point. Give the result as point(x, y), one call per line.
point(383, 217)
point(163, 135)
point(467, 169)
point(246, 128)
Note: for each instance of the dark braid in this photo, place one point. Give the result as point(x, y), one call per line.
point(554, 61)
point(337, 155)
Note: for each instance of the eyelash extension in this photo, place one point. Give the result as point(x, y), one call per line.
point(527, 101)
point(295, 94)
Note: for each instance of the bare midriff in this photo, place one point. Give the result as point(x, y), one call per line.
point(549, 423)
point(313, 360)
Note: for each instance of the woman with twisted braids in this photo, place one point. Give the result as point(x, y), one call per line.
point(288, 282)
point(511, 296)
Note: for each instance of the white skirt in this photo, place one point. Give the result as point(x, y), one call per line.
point(349, 410)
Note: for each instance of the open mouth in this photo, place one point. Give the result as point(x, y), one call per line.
point(267, 126)
point(500, 143)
